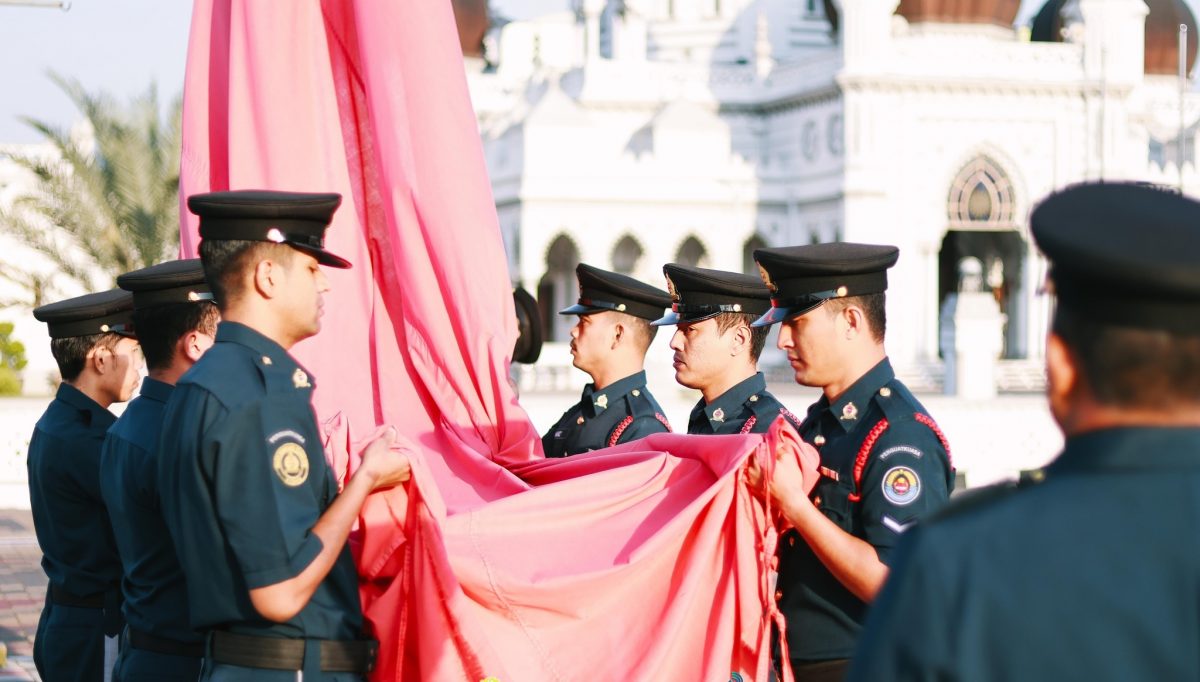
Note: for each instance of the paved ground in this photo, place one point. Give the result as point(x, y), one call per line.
point(22, 592)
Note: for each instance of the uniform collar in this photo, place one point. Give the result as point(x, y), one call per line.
point(729, 404)
point(158, 391)
point(601, 400)
point(278, 365)
point(1130, 449)
point(94, 414)
point(848, 409)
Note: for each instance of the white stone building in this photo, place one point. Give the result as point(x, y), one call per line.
point(633, 133)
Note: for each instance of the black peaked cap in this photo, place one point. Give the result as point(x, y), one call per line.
point(699, 293)
point(801, 278)
point(294, 218)
point(99, 313)
point(175, 281)
point(1124, 254)
point(529, 327)
point(601, 290)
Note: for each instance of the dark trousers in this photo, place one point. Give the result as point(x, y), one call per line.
point(232, 673)
point(139, 665)
point(69, 644)
point(820, 671)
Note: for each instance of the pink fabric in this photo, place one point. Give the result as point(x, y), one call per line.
point(626, 563)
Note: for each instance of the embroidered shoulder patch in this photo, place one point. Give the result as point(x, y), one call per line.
point(901, 485)
point(291, 464)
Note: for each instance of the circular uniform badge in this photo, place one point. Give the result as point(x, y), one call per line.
point(291, 464)
point(901, 485)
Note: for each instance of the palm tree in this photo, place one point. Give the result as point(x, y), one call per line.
point(99, 206)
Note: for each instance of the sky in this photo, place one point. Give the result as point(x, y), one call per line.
point(121, 47)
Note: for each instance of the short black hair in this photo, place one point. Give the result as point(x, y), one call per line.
point(160, 327)
point(643, 331)
point(874, 307)
point(224, 260)
point(71, 352)
point(758, 335)
point(1132, 367)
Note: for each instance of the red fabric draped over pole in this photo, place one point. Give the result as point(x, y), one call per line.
point(644, 561)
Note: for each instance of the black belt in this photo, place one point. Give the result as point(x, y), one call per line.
point(273, 653)
point(63, 598)
point(162, 645)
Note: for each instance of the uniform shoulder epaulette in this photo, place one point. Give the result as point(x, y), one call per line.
point(642, 405)
point(897, 404)
point(766, 408)
point(226, 367)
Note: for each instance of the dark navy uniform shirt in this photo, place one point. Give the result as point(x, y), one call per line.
point(79, 553)
point(242, 456)
point(747, 407)
point(906, 474)
point(153, 587)
point(1091, 574)
point(623, 411)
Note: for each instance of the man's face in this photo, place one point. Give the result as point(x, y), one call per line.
point(127, 363)
point(702, 352)
point(301, 294)
point(591, 340)
point(811, 343)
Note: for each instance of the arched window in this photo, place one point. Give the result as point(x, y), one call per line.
point(557, 288)
point(981, 197)
point(692, 252)
point(625, 255)
point(749, 267)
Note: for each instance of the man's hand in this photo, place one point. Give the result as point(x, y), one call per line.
point(385, 461)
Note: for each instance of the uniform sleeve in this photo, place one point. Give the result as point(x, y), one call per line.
point(641, 427)
point(904, 481)
point(908, 632)
point(265, 510)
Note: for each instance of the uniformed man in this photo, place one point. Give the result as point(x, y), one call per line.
point(175, 320)
point(255, 514)
point(883, 461)
point(716, 349)
point(1091, 573)
point(609, 343)
point(100, 363)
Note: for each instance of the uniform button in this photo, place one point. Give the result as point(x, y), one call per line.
point(778, 595)
point(791, 540)
point(579, 421)
point(819, 441)
point(636, 393)
point(753, 398)
point(266, 360)
point(817, 500)
point(885, 391)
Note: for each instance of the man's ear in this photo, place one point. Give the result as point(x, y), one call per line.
point(190, 346)
point(618, 333)
point(1062, 373)
point(100, 359)
point(855, 321)
point(740, 342)
point(266, 276)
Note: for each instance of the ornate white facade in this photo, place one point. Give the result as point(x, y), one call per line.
point(631, 134)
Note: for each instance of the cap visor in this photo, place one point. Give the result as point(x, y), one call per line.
point(781, 314)
point(323, 257)
point(580, 309)
point(671, 317)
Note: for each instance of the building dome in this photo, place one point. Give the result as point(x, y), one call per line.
point(473, 21)
point(997, 12)
point(1162, 32)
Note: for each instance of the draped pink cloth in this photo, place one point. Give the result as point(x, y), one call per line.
point(644, 561)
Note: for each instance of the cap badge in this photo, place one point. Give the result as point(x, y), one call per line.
point(602, 401)
point(766, 278)
point(300, 379)
point(718, 415)
point(274, 235)
point(671, 290)
point(849, 411)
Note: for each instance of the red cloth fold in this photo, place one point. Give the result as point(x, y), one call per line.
point(644, 561)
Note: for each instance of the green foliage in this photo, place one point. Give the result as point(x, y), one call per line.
point(12, 361)
point(114, 198)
